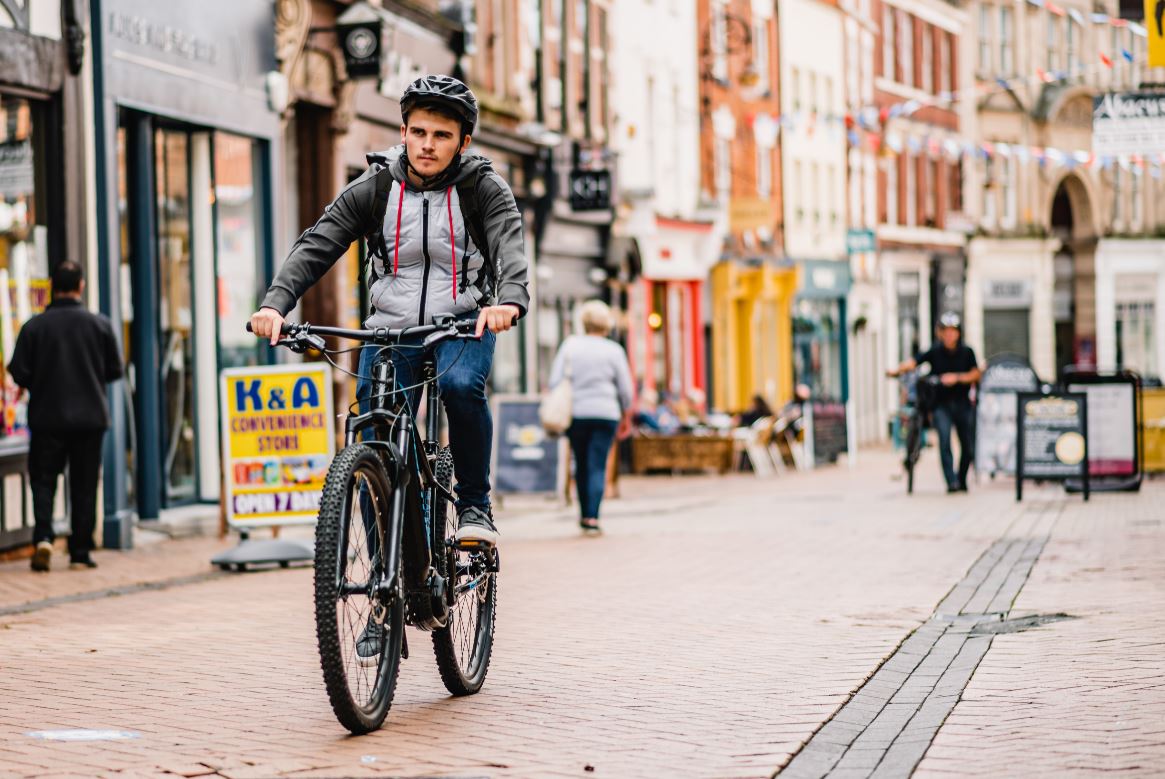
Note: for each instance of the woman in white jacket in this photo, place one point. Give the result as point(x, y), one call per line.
point(600, 379)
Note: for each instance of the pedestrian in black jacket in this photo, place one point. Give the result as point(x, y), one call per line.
point(64, 358)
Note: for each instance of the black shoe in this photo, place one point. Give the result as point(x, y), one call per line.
point(370, 644)
point(475, 527)
point(81, 563)
point(590, 527)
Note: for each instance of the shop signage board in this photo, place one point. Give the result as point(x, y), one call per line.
point(1128, 123)
point(1052, 438)
point(1114, 416)
point(590, 190)
point(526, 459)
point(995, 432)
point(278, 443)
point(860, 241)
point(749, 213)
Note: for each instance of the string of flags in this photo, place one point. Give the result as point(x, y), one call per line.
point(868, 126)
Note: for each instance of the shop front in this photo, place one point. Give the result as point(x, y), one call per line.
point(42, 221)
point(1009, 301)
point(752, 333)
point(665, 330)
point(820, 335)
point(1130, 297)
point(188, 139)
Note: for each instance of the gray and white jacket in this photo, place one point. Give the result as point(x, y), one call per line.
point(425, 236)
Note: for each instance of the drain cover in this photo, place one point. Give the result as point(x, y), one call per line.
point(1019, 624)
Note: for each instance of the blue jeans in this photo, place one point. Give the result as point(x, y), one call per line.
point(590, 443)
point(462, 369)
point(960, 416)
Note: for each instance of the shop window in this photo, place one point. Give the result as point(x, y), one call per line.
point(1136, 345)
point(908, 285)
point(240, 274)
point(24, 234)
point(1006, 330)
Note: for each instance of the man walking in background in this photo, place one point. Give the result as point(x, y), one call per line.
point(64, 358)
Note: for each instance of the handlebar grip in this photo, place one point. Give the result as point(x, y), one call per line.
point(284, 330)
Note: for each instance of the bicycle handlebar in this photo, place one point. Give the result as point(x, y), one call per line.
point(303, 335)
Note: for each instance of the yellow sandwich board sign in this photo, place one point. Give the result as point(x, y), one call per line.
point(1154, 22)
point(277, 443)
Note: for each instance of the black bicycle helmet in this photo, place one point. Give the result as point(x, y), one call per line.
point(445, 92)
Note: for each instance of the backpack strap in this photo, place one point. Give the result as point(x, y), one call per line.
point(375, 237)
point(474, 223)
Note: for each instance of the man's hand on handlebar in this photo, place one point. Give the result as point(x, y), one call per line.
point(267, 323)
point(497, 318)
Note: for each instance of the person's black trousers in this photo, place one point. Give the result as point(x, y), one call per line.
point(48, 454)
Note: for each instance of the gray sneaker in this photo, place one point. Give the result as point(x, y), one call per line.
point(370, 644)
point(475, 527)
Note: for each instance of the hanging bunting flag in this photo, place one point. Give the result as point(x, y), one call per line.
point(1043, 75)
point(1123, 162)
point(1003, 150)
point(1083, 157)
point(952, 148)
point(1105, 59)
point(874, 142)
point(987, 149)
point(914, 144)
point(1099, 18)
point(1053, 8)
point(1003, 83)
point(1127, 54)
point(852, 137)
point(1138, 30)
point(1117, 22)
point(933, 147)
point(1155, 172)
point(1036, 3)
point(910, 106)
point(894, 142)
point(1076, 16)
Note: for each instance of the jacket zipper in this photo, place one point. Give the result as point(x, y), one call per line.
point(428, 261)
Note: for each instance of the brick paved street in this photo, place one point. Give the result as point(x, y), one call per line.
point(710, 632)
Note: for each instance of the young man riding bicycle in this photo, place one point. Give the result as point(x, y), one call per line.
point(445, 238)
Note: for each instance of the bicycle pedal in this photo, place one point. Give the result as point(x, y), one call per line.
point(472, 545)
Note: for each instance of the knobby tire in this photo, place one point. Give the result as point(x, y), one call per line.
point(462, 660)
point(340, 512)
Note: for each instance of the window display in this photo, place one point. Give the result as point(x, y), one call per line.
point(24, 255)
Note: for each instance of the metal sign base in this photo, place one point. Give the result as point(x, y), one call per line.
point(278, 551)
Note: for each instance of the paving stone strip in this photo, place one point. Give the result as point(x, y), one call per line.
point(109, 592)
point(886, 727)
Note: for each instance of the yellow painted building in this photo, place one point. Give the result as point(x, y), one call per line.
point(752, 334)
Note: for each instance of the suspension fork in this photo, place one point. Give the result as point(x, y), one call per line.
point(394, 535)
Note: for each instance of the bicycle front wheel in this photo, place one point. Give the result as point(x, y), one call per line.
point(359, 625)
point(913, 447)
point(464, 646)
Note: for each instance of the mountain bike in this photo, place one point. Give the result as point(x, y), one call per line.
point(385, 555)
point(917, 418)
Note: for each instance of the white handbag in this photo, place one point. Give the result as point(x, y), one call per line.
point(555, 411)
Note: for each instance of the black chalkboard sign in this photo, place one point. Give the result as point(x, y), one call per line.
point(1052, 438)
point(526, 460)
point(829, 431)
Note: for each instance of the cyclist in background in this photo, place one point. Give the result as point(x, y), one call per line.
point(955, 365)
point(445, 237)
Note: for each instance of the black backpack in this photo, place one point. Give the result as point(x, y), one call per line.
point(470, 213)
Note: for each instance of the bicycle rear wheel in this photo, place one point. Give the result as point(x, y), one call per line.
point(352, 613)
point(464, 646)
